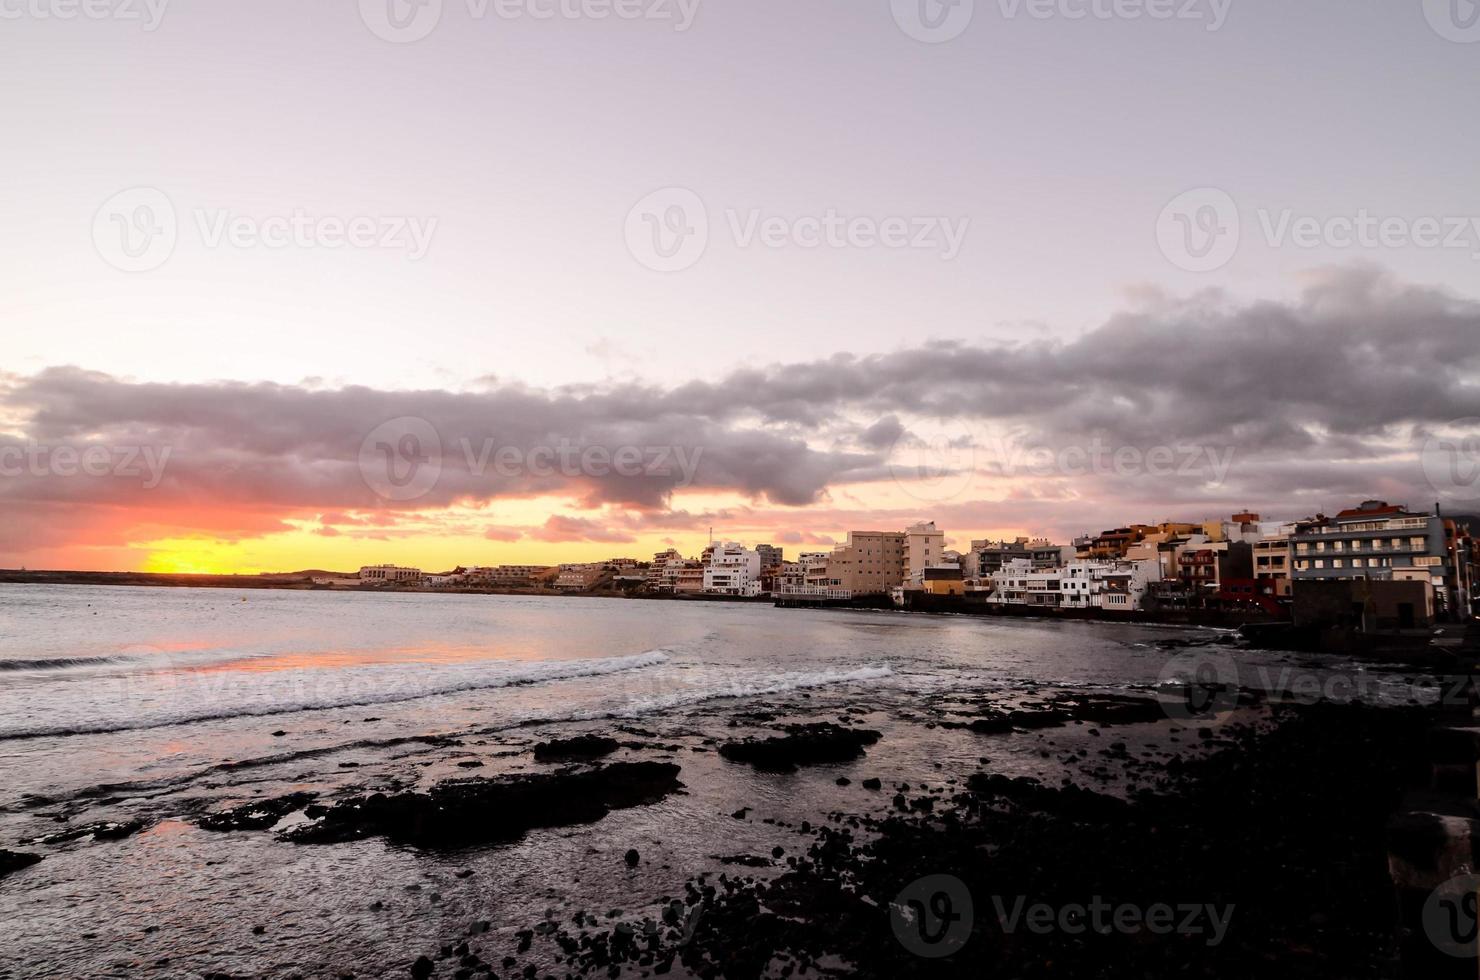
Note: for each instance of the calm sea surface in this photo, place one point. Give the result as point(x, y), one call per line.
point(161, 704)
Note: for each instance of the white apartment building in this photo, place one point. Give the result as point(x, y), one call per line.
point(733, 569)
point(1113, 585)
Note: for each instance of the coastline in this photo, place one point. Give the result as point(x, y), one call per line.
point(738, 828)
point(1273, 815)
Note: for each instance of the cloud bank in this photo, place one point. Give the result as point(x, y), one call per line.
point(1319, 399)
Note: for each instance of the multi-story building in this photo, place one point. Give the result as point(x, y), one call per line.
point(733, 569)
point(870, 563)
point(1272, 558)
point(787, 578)
point(390, 575)
point(1192, 569)
point(1378, 540)
point(1119, 543)
point(509, 576)
point(924, 547)
point(1113, 585)
point(690, 578)
point(663, 570)
point(991, 555)
point(771, 556)
point(1018, 583)
point(584, 576)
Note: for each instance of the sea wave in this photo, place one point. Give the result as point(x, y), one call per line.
point(61, 663)
point(636, 708)
point(429, 685)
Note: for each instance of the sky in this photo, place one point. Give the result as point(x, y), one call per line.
point(300, 285)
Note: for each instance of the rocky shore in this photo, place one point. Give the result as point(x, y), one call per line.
point(1021, 830)
point(1268, 851)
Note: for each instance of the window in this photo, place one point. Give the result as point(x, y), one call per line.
point(1338, 563)
point(1320, 563)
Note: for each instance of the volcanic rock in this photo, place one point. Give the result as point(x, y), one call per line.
point(257, 815)
point(11, 861)
point(473, 810)
point(571, 749)
point(802, 745)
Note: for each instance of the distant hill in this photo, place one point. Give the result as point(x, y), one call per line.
point(308, 573)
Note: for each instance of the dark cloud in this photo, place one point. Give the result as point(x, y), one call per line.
point(883, 433)
point(1320, 400)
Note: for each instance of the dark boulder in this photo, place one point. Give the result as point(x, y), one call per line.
point(572, 749)
point(11, 861)
point(801, 745)
point(472, 810)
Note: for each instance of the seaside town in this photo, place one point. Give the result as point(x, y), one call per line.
point(1372, 566)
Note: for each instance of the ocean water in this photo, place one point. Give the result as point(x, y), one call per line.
point(162, 704)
